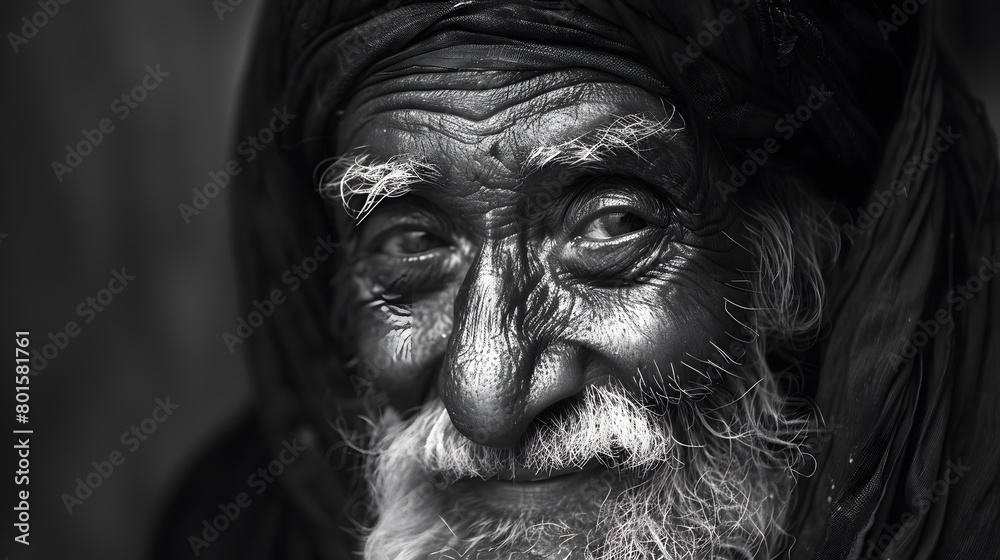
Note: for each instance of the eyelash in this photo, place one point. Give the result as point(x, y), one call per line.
point(635, 198)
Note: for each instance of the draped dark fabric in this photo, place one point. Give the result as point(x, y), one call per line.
point(905, 375)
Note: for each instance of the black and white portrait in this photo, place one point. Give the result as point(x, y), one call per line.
point(561, 280)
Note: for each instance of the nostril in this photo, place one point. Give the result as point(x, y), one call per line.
point(506, 433)
point(496, 410)
point(504, 438)
point(558, 375)
point(498, 429)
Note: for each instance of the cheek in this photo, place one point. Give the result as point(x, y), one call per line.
point(400, 347)
point(664, 333)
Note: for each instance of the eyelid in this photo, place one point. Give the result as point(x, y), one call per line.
point(612, 194)
point(590, 218)
point(397, 218)
point(378, 239)
point(581, 242)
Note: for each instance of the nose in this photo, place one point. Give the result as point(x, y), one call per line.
point(497, 374)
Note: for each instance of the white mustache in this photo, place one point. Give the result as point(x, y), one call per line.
point(607, 425)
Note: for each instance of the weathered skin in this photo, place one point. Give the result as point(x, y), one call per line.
point(624, 275)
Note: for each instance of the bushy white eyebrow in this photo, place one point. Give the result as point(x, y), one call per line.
point(625, 133)
point(348, 177)
point(351, 176)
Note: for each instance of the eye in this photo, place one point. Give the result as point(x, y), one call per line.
point(613, 230)
point(409, 242)
point(609, 224)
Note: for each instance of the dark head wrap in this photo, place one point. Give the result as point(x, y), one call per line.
point(901, 418)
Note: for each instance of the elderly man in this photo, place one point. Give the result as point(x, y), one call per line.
point(612, 280)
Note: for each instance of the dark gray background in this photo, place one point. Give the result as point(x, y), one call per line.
point(162, 335)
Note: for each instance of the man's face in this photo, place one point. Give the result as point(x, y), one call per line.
point(550, 293)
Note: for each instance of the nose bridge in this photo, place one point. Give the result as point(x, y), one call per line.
point(486, 379)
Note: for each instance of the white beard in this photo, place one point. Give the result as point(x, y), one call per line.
point(708, 479)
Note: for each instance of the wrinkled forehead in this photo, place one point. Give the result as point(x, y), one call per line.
point(514, 112)
point(449, 135)
point(492, 66)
